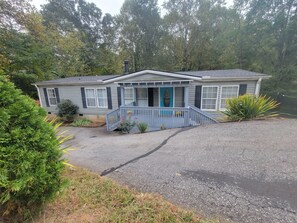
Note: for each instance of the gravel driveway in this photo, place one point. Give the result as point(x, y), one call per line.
point(244, 172)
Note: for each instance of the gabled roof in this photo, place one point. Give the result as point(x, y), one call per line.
point(209, 75)
point(156, 72)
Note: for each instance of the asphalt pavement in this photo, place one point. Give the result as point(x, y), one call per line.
point(243, 172)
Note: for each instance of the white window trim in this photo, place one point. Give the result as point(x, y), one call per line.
point(220, 107)
point(96, 98)
point(218, 87)
point(48, 98)
point(106, 100)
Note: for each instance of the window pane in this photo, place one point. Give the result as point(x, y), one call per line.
point(179, 97)
point(102, 98)
point(142, 97)
point(90, 93)
point(129, 95)
point(52, 96)
point(51, 93)
point(53, 101)
point(209, 97)
point(91, 102)
point(228, 92)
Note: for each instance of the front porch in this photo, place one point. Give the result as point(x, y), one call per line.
point(158, 118)
point(159, 103)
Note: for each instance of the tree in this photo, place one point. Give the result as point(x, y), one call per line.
point(272, 34)
point(139, 25)
point(30, 157)
point(85, 21)
point(197, 34)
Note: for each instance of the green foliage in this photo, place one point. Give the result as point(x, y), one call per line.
point(140, 30)
point(67, 110)
point(72, 37)
point(142, 127)
point(126, 126)
point(248, 107)
point(24, 82)
point(81, 122)
point(30, 158)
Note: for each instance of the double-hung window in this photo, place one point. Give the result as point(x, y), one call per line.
point(129, 95)
point(96, 97)
point(52, 97)
point(228, 92)
point(91, 97)
point(102, 97)
point(209, 97)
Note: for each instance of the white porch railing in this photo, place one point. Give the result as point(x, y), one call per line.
point(198, 117)
point(113, 119)
point(158, 118)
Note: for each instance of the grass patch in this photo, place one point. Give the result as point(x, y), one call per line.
point(91, 198)
point(80, 122)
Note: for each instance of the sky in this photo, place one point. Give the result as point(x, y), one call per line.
point(107, 6)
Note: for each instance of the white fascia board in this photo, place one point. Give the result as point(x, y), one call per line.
point(161, 73)
point(70, 83)
point(210, 79)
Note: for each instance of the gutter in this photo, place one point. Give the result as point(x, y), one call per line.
point(39, 96)
point(258, 86)
point(70, 83)
point(206, 79)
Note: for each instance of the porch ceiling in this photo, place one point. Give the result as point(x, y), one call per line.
point(155, 83)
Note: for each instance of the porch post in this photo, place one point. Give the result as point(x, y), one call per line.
point(186, 96)
point(122, 96)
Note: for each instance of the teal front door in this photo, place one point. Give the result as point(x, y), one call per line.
point(166, 97)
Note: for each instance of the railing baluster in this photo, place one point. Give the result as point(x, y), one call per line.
point(155, 117)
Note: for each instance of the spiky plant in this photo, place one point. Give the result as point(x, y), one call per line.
point(247, 107)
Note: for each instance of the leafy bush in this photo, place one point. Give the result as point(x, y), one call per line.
point(250, 107)
point(126, 126)
point(30, 157)
point(67, 110)
point(80, 122)
point(142, 127)
point(24, 82)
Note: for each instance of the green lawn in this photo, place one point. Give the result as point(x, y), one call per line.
point(91, 198)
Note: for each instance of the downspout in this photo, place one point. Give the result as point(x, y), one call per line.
point(258, 86)
point(40, 101)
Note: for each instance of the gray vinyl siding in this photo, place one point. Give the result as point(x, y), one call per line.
point(73, 93)
point(251, 87)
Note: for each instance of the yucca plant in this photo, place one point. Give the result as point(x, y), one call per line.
point(247, 107)
point(142, 127)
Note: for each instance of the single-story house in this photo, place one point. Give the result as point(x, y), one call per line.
point(187, 95)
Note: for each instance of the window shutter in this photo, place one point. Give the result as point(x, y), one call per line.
point(198, 96)
point(46, 97)
point(57, 95)
point(242, 89)
point(109, 100)
point(83, 97)
point(119, 96)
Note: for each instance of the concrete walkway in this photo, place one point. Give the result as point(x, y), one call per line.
point(245, 172)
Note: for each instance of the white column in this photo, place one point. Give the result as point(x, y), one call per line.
point(122, 96)
point(186, 96)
